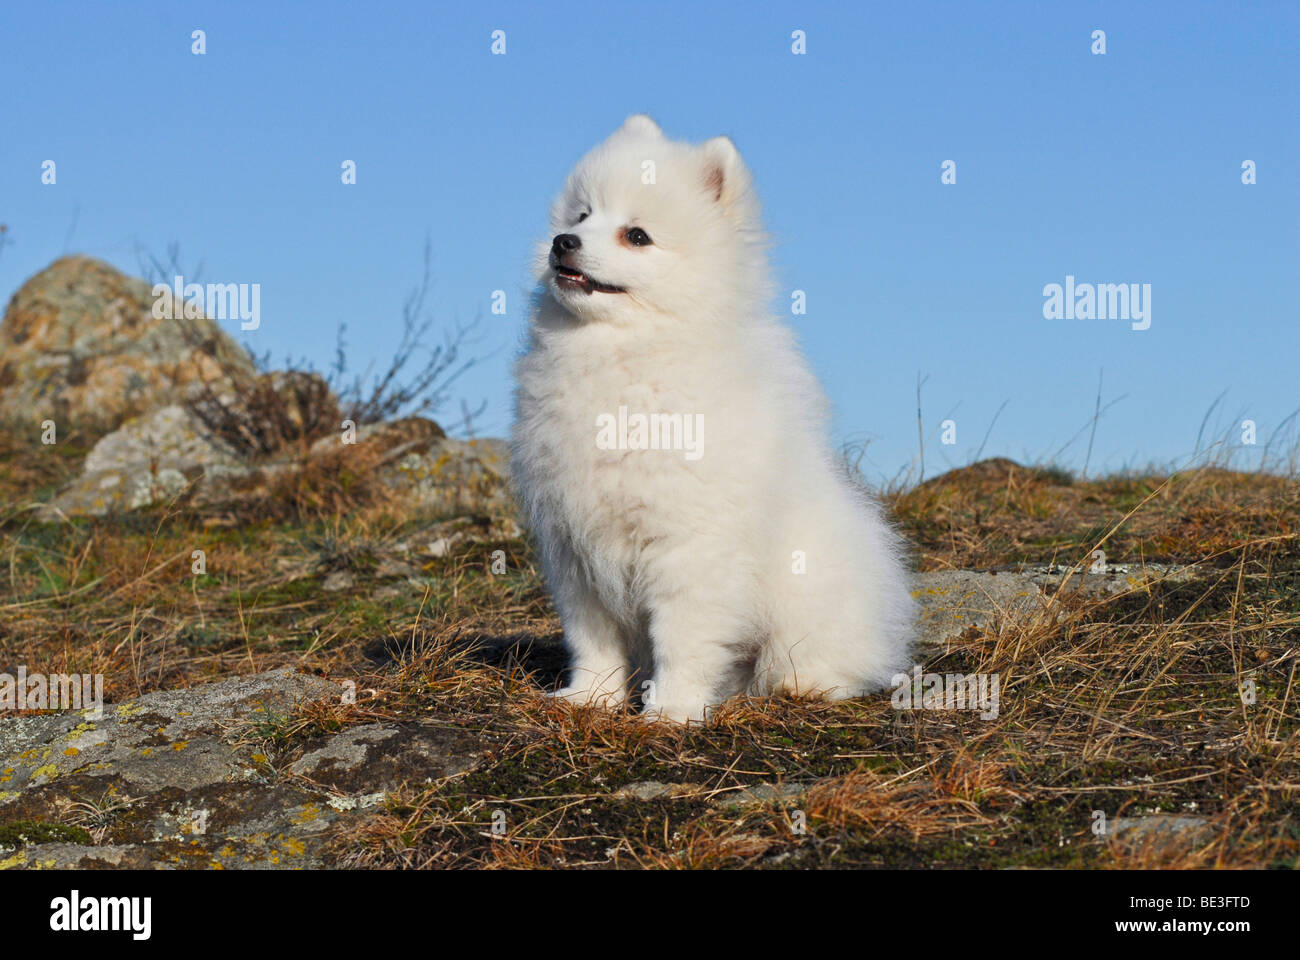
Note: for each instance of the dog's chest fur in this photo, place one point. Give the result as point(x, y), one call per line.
point(610, 505)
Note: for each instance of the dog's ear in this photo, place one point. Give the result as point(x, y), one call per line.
point(642, 124)
point(725, 176)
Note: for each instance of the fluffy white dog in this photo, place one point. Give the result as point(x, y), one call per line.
point(698, 535)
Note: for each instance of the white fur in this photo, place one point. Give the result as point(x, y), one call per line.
point(678, 570)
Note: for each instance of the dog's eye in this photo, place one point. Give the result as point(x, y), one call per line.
point(638, 237)
point(583, 216)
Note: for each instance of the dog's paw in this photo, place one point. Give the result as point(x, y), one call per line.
point(589, 697)
point(692, 712)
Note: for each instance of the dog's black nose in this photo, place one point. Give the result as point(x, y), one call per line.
point(565, 243)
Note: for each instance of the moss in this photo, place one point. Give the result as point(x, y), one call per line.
point(22, 832)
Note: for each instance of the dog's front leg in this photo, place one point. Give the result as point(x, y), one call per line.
point(598, 667)
point(697, 638)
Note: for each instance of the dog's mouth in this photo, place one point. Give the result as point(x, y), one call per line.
point(569, 279)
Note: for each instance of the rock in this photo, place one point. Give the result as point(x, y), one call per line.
point(756, 795)
point(156, 457)
point(433, 472)
point(148, 460)
point(353, 762)
point(167, 438)
point(396, 438)
point(1114, 579)
point(456, 477)
point(444, 538)
point(390, 568)
point(180, 408)
point(179, 778)
point(338, 580)
point(652, 790)
point(1158, 829)
point(953, 601)
point(79, 342)
point(762, 793)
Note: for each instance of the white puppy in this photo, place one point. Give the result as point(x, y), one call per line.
point(696, 530)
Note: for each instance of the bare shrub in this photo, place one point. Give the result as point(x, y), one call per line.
point(413, 392)
point(264, 414)
point(269, 412)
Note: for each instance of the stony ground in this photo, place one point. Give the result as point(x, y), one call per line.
point(365, 688)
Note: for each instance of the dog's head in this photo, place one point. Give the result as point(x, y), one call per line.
point(648, 223)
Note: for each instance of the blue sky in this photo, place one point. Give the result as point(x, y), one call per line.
point(1121, 168)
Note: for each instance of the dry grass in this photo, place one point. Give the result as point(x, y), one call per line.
point(997, 512)
point(1130, 706)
